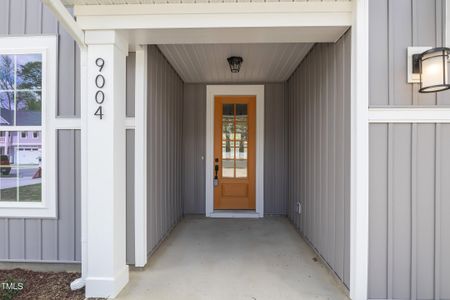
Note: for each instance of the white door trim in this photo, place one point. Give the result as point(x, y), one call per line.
point(237, 90)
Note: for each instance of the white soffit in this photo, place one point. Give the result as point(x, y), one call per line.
point(207, 63)
point(119, 2)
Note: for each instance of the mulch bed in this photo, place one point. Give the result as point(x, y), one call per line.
point(38, 285)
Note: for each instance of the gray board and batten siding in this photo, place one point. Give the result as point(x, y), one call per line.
point(319, 152)
point(409, 191)
point(275, 149)
point(49, 240)
point(164, 148)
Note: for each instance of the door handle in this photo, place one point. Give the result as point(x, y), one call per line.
point(216, 169)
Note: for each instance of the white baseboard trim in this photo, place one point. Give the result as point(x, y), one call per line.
point(106, 287)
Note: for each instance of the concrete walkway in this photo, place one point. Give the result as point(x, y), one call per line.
point(232, 259)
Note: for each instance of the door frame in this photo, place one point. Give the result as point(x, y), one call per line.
point(234, 90)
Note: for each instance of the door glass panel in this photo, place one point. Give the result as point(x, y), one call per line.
point(241, 168)
point(228, 113)
point(241, 151)
point(227, 131)
point(241, 131)
point(241, 111)
point(227, 153)
point(228, 168)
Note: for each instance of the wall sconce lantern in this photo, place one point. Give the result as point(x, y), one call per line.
point(235, 63)
point(430, 68)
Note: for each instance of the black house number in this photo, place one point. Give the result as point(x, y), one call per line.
point(99, 83)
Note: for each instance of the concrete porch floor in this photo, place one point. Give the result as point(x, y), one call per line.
point(213, 259)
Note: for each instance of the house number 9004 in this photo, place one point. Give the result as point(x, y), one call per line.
point(99, 83)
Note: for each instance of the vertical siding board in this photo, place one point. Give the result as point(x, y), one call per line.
point(17, 17)
point(339, 225)
point(378, 191)
point(400, 222)
point(378, 45)
point(130, 162)
point(33, 239)
point(437, 215)
point(49, 22)
point(66, 194)
point(33, 21)
point(77, 167)
point(66, 71)
point(4, 16)
point(16, 239)
point(444, 188)
point(131, 67)
point(413, 275)
point(425, 210)
point(424, 29)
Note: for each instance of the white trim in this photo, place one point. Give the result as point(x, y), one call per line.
point(409, 115)
point(130, 123)
point(65, 18)
point(413, 77)
point(67, 123)
point(47, 46)
point(84, 160)
point(217, 15)
point(140, 177)
point(359, 181)
point(254, 90)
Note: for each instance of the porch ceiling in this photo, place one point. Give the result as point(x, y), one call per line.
point(262, 62)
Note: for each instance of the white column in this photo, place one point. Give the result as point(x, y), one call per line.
point(140, 177)
point(104, 266)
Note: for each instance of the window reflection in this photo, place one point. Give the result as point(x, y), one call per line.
point(20, 89)
point(20, 169)
point(234, 140)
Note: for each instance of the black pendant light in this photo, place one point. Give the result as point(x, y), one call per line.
point(235, 63)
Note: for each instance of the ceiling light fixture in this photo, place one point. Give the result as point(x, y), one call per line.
point(235, 63)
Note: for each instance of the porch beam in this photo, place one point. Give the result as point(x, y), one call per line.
point(214, 15)
point(65, 18)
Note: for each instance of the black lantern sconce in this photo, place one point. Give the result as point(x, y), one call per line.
point(235, 63)
point(430, 69)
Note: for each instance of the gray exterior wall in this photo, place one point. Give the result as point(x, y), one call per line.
point(409, 198)
point(165, 96)
point(275, 151)
point(396, 25)
point(319, 152)
point(409, 211)
point(49, 240)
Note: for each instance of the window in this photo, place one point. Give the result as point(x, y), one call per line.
point(27, 139)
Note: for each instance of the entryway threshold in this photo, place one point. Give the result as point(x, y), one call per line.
point(249, 214)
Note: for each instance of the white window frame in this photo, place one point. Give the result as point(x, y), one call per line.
point(47, 47)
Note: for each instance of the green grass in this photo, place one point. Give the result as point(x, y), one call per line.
point(28, 193)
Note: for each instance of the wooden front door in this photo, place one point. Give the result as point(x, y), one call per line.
point(234, 152)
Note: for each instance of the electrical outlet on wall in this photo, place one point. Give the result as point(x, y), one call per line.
point(299, 208)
